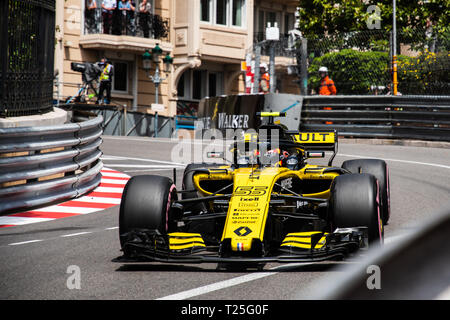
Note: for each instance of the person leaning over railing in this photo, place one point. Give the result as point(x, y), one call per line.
point(127, 9)
point(145, 9)
point(108, 7)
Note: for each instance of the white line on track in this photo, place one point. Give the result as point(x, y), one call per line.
point(231, 282)
point(143, 160)
point(23, 242)
point(75, 234)
point(217, 142)
point(397, 160)
point(64, 236)
point(246, 278)
point(217, 286)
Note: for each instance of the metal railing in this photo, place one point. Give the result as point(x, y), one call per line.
point(398, 117)
point(40, 165)
point(131, 23)
point(121, 121)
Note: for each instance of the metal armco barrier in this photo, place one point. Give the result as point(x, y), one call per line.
point(398, 117)
point(40, 165)
point(119, 121)
point(414, 267)
point(395, 117)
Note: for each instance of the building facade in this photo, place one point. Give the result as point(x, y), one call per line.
point(208, 40)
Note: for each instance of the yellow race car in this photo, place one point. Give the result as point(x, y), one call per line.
point(268, 205)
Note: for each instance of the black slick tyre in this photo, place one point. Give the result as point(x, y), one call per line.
point(379, 169)
point(145, 205)
point(354, 202)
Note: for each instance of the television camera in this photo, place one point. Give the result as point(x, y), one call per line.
point(90, 72)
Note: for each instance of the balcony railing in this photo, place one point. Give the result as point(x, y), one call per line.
point(117, 22)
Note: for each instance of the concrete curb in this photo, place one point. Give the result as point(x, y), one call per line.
point(407, 143)
point(56, 117)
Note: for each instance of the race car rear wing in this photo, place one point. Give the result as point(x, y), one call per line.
point(310, 141)
point(314, 142)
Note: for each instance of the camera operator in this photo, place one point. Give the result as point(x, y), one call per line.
point(105, 80)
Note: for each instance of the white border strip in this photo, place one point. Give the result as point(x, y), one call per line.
point(23, 242)
point(396, 160)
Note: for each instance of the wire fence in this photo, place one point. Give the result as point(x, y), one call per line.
point(361, 62)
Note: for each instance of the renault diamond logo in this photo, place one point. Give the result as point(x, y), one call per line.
point(243, 231)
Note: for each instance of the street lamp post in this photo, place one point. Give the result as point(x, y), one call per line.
point(147, 63)
point(147, 58)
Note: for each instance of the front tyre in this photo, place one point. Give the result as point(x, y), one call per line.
point(354, 202)
point(145, 205)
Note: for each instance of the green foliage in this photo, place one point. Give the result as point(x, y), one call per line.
point(352, 71)
point(417, 74)
point(320, 17)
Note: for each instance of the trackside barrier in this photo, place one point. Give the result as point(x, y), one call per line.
point(397, 117)
point(394, 117)
point(184, 122)
point(40, 165)
point(120, 121)
point(381, 274)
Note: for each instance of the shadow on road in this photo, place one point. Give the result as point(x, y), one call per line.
point(212, 268)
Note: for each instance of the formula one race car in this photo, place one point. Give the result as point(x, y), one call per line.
point(268, 205)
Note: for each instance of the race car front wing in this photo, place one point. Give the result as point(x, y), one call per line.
point(150, 245)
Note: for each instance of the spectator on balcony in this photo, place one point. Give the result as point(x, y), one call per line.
point(108, 7)
point(145, 9)
point(90, 22)
point(126, 7)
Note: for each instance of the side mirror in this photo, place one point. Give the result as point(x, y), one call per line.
point(215, 155)
point(311, 154)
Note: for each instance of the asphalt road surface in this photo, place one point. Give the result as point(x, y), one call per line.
point(42, 269)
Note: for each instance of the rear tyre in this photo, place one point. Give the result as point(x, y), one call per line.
point(354, 203)
point(145, 204)
point(379, 169)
